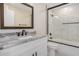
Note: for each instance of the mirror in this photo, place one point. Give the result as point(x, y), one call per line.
point(17, 16)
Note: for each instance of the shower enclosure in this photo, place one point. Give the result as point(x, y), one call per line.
point(63, 24)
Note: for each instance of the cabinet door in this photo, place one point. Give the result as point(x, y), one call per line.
point(42, 50)
point(38, 48)
point(30, 52)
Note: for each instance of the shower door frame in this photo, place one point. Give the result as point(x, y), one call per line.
point(48, 15)
point(62, 4)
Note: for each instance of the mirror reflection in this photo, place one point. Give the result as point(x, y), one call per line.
point(17, 15)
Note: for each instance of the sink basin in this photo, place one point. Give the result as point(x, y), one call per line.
point(25, 37)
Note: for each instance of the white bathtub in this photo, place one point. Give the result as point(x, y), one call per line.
point(64, 50)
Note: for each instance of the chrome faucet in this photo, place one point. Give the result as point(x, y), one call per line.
point(23, 33)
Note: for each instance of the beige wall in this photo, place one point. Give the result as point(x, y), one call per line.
point(40, 18)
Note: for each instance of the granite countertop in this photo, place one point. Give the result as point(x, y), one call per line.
point(7, 42)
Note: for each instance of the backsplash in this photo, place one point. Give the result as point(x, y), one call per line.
point(14, 32)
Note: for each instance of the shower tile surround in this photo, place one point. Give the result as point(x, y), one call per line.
point(60, 29)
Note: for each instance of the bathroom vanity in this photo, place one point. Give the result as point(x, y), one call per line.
point(31, 46)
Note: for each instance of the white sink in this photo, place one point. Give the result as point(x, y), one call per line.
point(25, 37)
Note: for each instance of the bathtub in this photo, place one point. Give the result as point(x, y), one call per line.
point(63, 48)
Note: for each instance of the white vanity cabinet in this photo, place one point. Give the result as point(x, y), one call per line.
point(32, 48)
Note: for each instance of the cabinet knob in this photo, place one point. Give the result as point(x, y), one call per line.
point(35, 53)
point(32, 54)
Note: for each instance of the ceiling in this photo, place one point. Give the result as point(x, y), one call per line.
point(52, 4)
point(47, 4)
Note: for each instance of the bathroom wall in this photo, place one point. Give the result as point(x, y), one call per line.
point(40, 17)
point(58, 22)
point(39, 20)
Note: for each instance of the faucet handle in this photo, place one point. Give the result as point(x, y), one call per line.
point(26, 33)
point(50, 34)
point(18, 33)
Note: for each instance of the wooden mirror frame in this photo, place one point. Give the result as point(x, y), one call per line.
point(2, 18)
